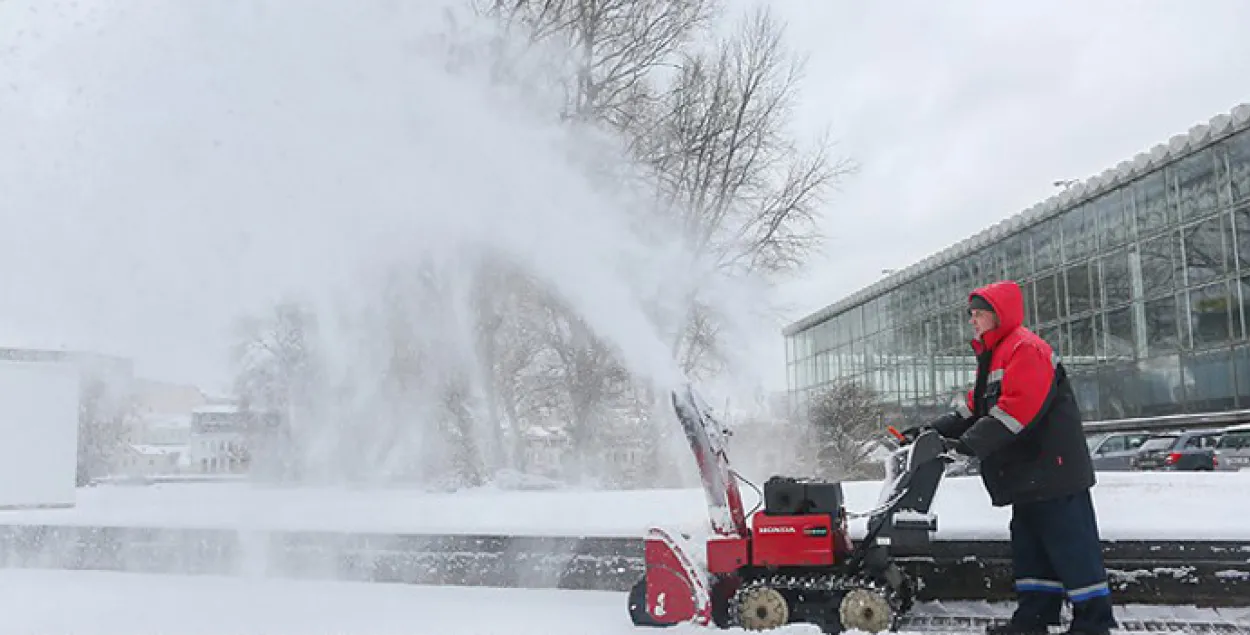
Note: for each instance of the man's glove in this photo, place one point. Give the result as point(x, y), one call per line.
point(948, 425)
point(910, 434)
point(958, 446)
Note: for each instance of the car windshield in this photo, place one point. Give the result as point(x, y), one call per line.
point(1234, 440)
point(1158, 443)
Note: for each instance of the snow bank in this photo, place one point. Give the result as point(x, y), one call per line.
point(1130, 506)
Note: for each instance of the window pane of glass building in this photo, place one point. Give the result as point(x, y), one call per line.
point(1150, 200)
point(1237, 152)
point(1195, 184)
point(1115, 219)
point(1157, 268)
point(1205, 255)
point(1240, 241)
point(1080, 235)
point(1210, 315)
point(1080, 289)
point(1116, 279)
point(1143, 286)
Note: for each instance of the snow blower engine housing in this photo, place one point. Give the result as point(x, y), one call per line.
point(795, 560)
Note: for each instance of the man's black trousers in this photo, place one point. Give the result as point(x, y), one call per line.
point(1057, 554)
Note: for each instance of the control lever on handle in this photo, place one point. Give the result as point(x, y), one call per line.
point(902, 438)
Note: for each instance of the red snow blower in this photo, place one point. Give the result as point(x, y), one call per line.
point(794, 561)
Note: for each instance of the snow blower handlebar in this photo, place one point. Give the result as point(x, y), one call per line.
point(913, 473)
point(913, 452)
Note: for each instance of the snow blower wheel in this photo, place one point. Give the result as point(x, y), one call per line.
point(762, 609)
point(864, 610)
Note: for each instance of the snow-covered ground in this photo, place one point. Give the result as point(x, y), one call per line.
point(91, 603)
point(1130, 506)
point(39, 602)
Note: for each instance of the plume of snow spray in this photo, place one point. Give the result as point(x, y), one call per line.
point(174, 165)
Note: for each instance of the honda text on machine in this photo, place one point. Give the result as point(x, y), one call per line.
point(792, 561)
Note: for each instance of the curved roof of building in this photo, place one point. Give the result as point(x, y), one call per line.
point(1179, 145)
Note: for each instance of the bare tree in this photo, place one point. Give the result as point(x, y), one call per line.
point(616, 44)
point(458, 427)
point(747, 192)
point(509, 340)
point(490, 306)
point(105, 422)
point(589, 373)
point(845, 419)
point(709, 125)
point(272, 356)
point(432, 391)
point(275, 374)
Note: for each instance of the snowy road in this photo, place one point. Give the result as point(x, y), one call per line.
point(91, 603)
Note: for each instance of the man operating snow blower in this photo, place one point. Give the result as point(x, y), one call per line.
point(1022, 421)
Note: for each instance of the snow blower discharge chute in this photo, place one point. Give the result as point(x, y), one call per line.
point(794, 560)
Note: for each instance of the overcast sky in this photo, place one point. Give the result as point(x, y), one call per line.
point(962, 113)
point(959, 113)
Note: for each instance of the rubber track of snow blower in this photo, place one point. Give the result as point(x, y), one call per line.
point(974, 617)
point(967, 617)
point(819, 583)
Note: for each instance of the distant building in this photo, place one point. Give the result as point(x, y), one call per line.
point(165, 399)
point(106, 383)
point(621, 454)
point(224, 439)
point(97, 364)
point(160, 443)
point(1139, 277)
point(137, 460)
point(545, 450)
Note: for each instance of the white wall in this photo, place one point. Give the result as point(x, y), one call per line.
point(38, 434)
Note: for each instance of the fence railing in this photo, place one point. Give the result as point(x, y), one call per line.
point(1193, 421)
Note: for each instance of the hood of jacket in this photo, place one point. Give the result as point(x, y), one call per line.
point(1008, 302)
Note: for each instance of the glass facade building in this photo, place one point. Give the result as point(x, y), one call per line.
point(1140, 279)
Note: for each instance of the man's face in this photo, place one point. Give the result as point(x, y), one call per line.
point(982, 321)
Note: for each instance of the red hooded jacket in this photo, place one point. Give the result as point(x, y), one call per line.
point(1020, 417)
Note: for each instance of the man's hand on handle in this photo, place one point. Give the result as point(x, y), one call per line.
point(957, 446)
point(909, 435)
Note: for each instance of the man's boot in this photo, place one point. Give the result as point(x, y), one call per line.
point(1011, 628)
point(1035, 612)
point(1094, 616)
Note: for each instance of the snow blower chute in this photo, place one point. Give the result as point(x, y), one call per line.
point(793, 560)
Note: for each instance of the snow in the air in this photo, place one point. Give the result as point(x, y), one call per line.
point(1130, 506)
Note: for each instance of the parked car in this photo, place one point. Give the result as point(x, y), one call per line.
point(1179, 451)
point(1111, 452)
point(1233, 449)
